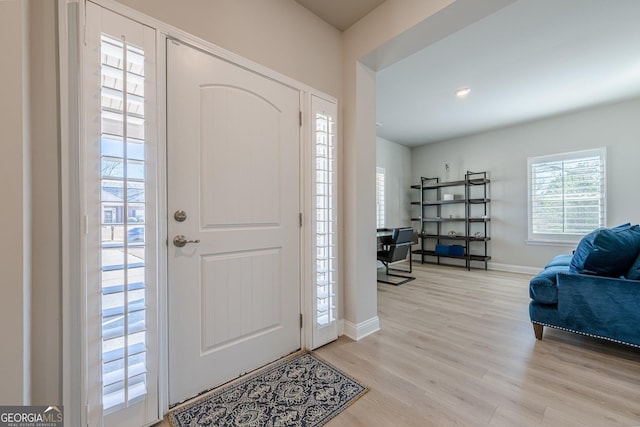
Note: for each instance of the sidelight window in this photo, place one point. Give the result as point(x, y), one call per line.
point(122, 159)
point(325, 221)
point(379, 197)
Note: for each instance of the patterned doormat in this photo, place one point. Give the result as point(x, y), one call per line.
point(298, 391)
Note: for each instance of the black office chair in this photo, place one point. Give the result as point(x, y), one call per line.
point(397, 250)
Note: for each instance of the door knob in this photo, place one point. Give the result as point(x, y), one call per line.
point(180, 215)
point(180, 241)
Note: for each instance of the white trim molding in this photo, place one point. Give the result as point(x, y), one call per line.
point(363, 329)
point(510, 268)
point(73, 379)
point(565, 244)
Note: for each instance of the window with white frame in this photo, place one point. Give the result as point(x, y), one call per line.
point(120, 204)
point(325, 221)
point(379, 197)
point(566, 195)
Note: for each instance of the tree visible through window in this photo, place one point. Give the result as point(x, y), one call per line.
point(566, 195)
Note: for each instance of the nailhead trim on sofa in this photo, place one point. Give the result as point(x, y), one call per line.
point(586, 334)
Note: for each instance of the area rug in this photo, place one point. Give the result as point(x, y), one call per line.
point(296, 391)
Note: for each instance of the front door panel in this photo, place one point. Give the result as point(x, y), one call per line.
point(233, 168)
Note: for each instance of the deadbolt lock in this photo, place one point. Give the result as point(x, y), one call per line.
point(180, 215)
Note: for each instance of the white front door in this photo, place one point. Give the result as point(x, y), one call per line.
point(233, 189)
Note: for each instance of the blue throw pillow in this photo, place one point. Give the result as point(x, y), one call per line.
point(579, 258)
point(634, 271)
point(607, 251)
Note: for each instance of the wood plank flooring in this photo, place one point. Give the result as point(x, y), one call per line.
point(457, 348)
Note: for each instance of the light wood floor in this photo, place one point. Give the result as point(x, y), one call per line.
point(457, 348)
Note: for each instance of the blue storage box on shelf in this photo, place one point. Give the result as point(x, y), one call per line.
point(442, 250)
point(456, 250)
point(450, 250)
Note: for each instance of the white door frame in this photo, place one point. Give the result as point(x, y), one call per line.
point(70, 31)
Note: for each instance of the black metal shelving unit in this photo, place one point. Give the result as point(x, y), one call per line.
point(435, 212)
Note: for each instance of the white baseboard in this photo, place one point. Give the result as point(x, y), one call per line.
point(510, 268)
point(358, 331)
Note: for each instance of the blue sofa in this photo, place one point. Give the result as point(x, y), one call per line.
point(595, 291)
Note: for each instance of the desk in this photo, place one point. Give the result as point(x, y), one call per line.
point(383, 237)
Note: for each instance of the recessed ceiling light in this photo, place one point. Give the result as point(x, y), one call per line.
point(462, 92)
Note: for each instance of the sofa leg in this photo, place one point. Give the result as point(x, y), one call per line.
point(537, 329)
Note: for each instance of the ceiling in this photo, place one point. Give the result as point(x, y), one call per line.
point(528, 60)
point(341, 13)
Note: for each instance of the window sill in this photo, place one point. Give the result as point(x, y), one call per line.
point(563, 243)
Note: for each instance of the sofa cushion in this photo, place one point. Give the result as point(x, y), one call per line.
point(563, 259)
point(543, 288)
point(607, 251)
point(634, 270)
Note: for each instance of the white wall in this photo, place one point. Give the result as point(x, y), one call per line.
point(504, 154)
point(383, 24)
point(15, 214)
point(279, 34)
point(396, 161)
point(46, 334)
point(30, 306)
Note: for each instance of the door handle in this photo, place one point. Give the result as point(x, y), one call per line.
point(180, 241)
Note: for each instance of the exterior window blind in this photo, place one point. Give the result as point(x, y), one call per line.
point(122, 158)
point(567, 195)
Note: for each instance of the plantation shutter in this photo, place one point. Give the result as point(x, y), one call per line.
point(325, 222)
point(121, 249)
point(380, 197)
point(567, 193)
